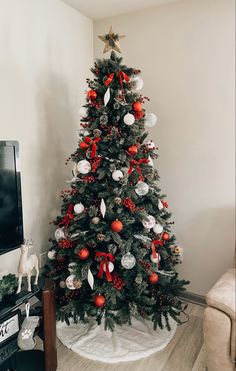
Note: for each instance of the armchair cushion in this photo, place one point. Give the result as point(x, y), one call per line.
point(222, 294)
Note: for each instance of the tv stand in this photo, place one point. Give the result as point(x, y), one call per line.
point(45, 293)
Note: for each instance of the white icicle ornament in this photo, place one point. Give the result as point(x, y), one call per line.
point(107, 96)
point(103, 208)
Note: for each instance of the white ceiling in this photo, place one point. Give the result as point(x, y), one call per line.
point(99, 9)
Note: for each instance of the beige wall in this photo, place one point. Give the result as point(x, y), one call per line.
point(46, 49)
point(186, 53)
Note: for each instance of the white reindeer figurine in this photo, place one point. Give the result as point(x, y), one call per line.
point(26, 266)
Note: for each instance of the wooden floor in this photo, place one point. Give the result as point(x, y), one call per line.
point(184, 353)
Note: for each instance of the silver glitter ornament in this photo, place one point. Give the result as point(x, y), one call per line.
point(128, 261)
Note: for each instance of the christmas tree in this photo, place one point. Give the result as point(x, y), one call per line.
point(113, 255)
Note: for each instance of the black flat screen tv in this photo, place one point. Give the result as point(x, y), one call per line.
point(11, 221)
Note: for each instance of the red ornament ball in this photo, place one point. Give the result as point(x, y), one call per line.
point(99, 301)
point(137, 106)
point(83, 145)
point(133, 150)
point(91, 94)
point(153, 278)
point(83, 254)
point(165, 236)
point(116, 226)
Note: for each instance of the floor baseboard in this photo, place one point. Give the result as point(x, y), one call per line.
point(193, 298)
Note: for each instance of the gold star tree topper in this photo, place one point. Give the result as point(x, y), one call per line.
point(111, 41)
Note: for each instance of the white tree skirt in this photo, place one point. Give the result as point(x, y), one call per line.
point(126, 343)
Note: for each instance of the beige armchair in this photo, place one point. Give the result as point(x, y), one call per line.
point(220, 324)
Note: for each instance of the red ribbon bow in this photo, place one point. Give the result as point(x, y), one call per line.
point(93, 145)
point(109, 79)
point(138, 163)
point(106, 257)
point(68, 217)
point(121, 75)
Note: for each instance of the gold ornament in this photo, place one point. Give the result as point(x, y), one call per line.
point(111, 41)
point(77, 284)
point(117, 200)
point(100, 236)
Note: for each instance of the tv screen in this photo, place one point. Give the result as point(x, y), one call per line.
point(11, 224)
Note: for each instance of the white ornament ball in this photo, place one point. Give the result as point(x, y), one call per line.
point(52, 254)
point(142, 188)
point(70, 282)
point(117, 175)
point(72, 267)
point(149, 222)
point(59, 234)
point(150, 120)
point(138, 81)
point(128, 261)
point(110, 267)
point(84, 167)
point(158, 228)
point(150, 144)
point(83, 112)
point(78, 208)
point(160, 205)
point(129, 119)
point(155, 260)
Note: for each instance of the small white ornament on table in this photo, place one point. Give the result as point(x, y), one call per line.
point(26, 266)
point(117, 175)
point(78, 208)
point(84, 167)
point(128, 261)
point(149, 222)
point(142, 188)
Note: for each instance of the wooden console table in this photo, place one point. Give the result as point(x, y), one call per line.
point(45, 293)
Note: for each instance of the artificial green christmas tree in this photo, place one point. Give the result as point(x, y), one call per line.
point(113, 254)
